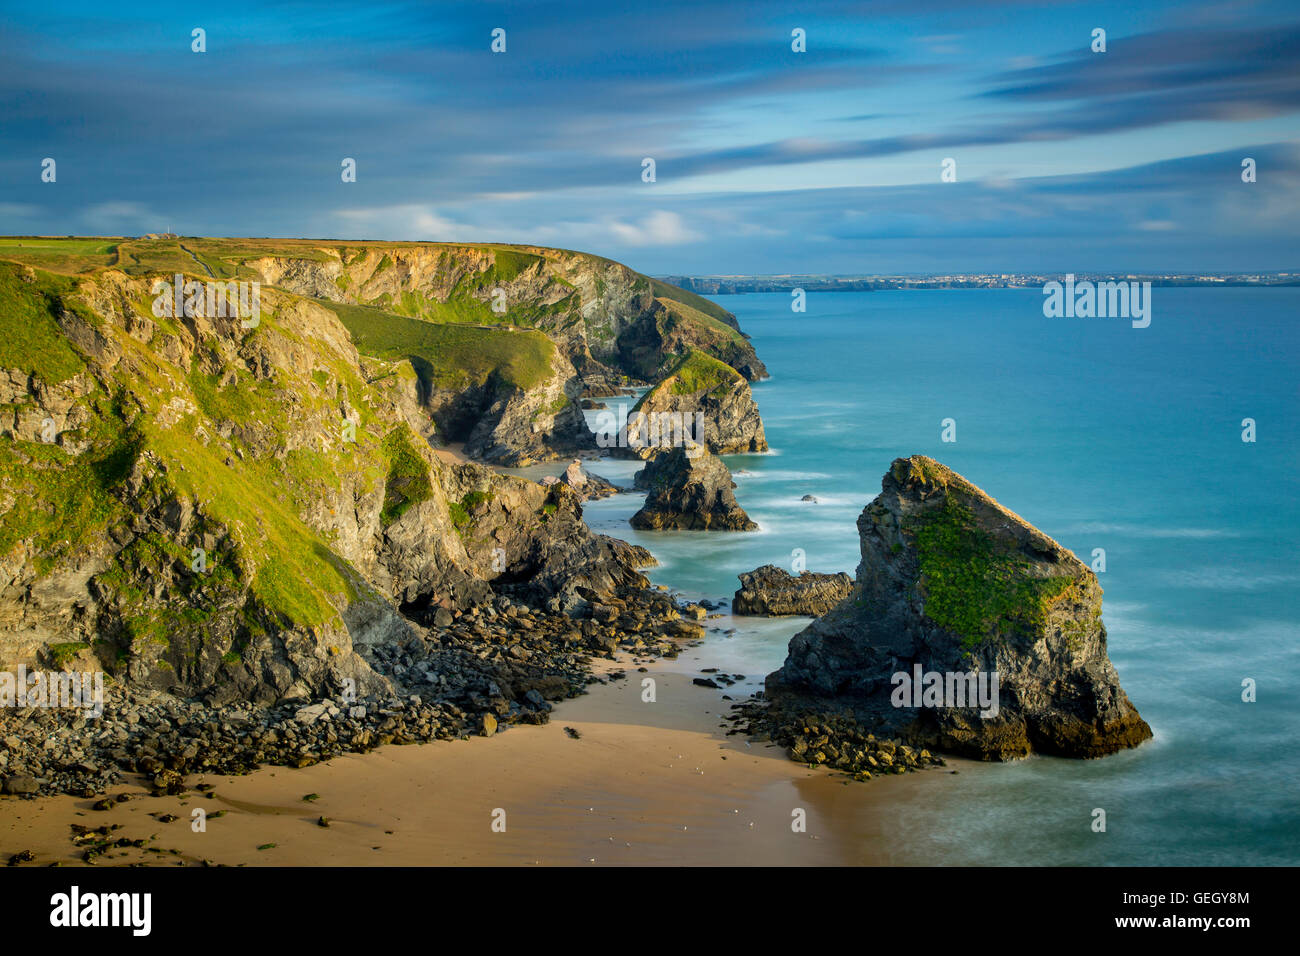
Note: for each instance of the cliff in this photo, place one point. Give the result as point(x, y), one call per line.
point(234, 513)
point(951, 582)
point(504, 341)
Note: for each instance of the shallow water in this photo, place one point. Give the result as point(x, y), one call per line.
point(1103, 436)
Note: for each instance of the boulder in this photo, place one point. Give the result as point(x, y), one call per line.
point(585, 485)
point(952, 583)
point(771, 591)
point(689, 491)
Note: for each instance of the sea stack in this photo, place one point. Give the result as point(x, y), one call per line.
point(952, 584)
point(689, 489)
point(704, 395)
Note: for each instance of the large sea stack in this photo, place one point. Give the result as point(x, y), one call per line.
point(689, 490)
point(951, 582)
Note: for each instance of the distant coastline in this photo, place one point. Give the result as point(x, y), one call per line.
point(739, 285)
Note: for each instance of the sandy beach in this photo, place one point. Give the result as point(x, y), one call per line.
point(643, 784)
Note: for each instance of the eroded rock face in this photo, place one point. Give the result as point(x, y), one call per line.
point(584, 484)
point(771, 591)
point(611, 322)
point(951, 582)
point(703, 398)
point(229, 513)
point(517, 427)
point(685, 492)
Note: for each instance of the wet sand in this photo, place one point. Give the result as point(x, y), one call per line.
point(644, 784)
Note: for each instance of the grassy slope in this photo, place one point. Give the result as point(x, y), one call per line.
point(696, 303)
point(707, 331)
point(695, 373)
point(450, 355)
point(61, 502)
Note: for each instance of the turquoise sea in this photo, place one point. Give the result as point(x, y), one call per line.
point(1104, 436)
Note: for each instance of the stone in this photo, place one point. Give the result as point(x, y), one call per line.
point(952, 582)
point(771, 591)
point(21, 783)
point(688, 490)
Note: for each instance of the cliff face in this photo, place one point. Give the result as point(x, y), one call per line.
point(225, 511)
point(951, 583)
point(698, 385)
point(611, 323)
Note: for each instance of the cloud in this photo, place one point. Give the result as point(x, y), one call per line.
point(121, 217)
point(411, 221)
point(660, 228)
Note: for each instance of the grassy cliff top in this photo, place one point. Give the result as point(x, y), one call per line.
point(227, 258)
point(196, 255)
point(695, 373)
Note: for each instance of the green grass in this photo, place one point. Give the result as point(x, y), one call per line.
point(408, 482)
point(68, 256)
point(293, 573)
point(697, 303)
point(508, 264)
point(62, 654)
point(62, 501)
point(449, 355)
point(973, 585)
point(30, 338)
point(694, 374)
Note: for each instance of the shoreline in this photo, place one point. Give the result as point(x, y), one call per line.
point(643, 784)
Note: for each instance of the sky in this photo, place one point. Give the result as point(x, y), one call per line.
point(766, 160)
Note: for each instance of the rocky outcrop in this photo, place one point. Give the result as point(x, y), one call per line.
point(951, 584)
point(231, 514)
point(614, 325)
point(584, 485)
point(771, 591)
point(517, 427)
point(689, 491)
point(699, 400)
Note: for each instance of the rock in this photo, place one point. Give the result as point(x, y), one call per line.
point(587, 486)
point(311, 713)
point(705, 682)
point(168, 781)
point(20, 783)
point(809, 498)
point(488, 726)
point(686, 492)
point(700, 397)
point(770, 591)
point(951, 582)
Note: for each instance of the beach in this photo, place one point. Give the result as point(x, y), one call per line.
point(643, 784)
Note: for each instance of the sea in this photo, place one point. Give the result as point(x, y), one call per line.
point(1170, 451)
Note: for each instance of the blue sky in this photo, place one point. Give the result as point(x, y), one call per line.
point(768, 161)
